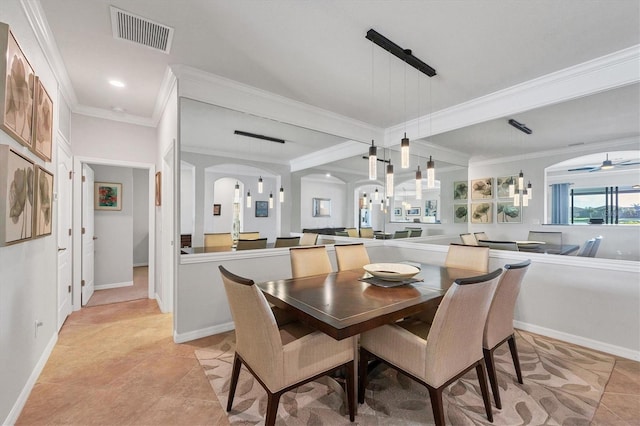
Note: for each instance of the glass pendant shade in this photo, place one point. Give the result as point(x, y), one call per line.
point(271, 200)
point(248, 199)
point(236, 193)
point(418, 184)
point(376, 194)
point(373, 162)
point(431, 173)
point(516, 200)
point(512, 190)
point(382, 206)
point(260, 186)
point(520, 181)
point(389, 180)
point(529, 191)
point(525, 198)
point(404, 152)
point(281, 197)
point(370, 204)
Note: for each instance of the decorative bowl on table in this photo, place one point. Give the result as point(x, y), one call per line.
point(392, 271)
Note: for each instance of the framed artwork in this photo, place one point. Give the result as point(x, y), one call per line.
point(42, 123)
point(107, 196)
point(262, 209)
point(397, 211)
point(508, 213)
point(481, 188)
point(158, 188)
point(217, 209)
point(321, 207)
point(460, 213)
point(17, 177)
point(460, 190)
point(431, 208)
point(16, 89)
point(481, 213)
point(414, 211)
point(502, 185)
point(43, 203)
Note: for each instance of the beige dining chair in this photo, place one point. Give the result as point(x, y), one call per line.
point(499, 326)
point(468, 239)
point(222, 239)
point(352, 232)
point(351, 256)
point(549, 237)
point(474, 258)
point(249, 235)
point(280, 359)
point(499, 245)
point(435, 355)
point(258, 243)
point(309, 239)
point(309, 260)
point(401, 234)
point(366, 232)
point(480, 236)
point(341, 233)
point(287, 242)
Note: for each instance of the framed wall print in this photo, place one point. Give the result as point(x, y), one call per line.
point(262, 209)
point(217, 209)
point(158, 188)
point(481, 188)
point(508, 213)
point(42, 123)
point(16, 89)
point(321, 207)
point(43, 202)
point(460, 190)
point(481, 213)
point(17, 177)
point(414, 211)
point(108, 196)
point(502, 185)
point(397, 211)
point(460, 213)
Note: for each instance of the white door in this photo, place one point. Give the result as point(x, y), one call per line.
point(88, 236)
point(65, 255)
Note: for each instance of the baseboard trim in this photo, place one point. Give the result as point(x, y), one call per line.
point(579, 340)
point(203, 332)
point(12, 418)
point(136, 265)
point(113, 285)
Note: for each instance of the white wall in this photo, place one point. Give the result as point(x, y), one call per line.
point(318, 187)
point(114, 231)
point(187, 198)
point(140, 217)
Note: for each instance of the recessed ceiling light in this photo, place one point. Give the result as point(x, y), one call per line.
point(118, 109)
point(116, 83)
point(328, 174)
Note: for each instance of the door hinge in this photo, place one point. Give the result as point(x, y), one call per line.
point(83, 230)
point(69, 289)
point(82, 283)
point(84, 178)
point(70, 174)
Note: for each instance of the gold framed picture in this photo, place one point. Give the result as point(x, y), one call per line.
point(16, 196)
point(42, 122)
point(158, 188)
point(43, 218)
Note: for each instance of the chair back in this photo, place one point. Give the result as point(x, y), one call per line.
point(499, 245)
point(468, 239)
point(312, 260)
point(474, 258)
point(351, 256)
point(401, 234)
point(352, 232)
point(258, 243)
point(287, 242)
point(455, 338)
point(480, 236)
point(258, 339)
point(366, 232)
point(596, 245)
point(499, 323)
point(341, 233)
point(309, 239)
point(249, 235)
point(222, 239)
point(586, 248)
point(546, 236)
point(414, 232)
point(185, 240)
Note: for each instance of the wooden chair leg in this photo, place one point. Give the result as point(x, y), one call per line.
point(482, 378)
point(514, 356)
point(273, 399)
point(436, 403)
point(235, 373)
point(493, 377)
point(351, 397)
point(362, 374)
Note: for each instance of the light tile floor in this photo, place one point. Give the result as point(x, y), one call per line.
point(117, 365)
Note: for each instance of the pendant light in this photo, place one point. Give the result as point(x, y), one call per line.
point(260, 186)
point(248, 199)
point(236, 193)
point(271, 200)
point(404, 152)
point(418, 184)
point(376, 195)
point(431, 173)
point(281, 197)
point(512, 187)
point(373, 161)
point(389, 180)
point(529, 191)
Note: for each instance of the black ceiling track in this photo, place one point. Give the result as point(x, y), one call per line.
point(520, 126)
point(253, 135)
point(403, 54)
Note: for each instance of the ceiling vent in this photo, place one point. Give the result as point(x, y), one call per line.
point(139, 30)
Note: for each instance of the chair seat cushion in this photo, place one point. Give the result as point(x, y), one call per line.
point(294, 330)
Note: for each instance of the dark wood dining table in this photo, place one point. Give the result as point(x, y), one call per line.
point(341, 305)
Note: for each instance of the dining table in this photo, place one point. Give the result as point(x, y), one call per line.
point(545, 248)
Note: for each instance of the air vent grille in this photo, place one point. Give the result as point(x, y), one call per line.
point(139, 30)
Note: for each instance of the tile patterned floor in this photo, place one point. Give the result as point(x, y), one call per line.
point(139, 290)
point(117, 364)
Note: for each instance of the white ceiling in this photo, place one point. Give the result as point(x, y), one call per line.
point(316, 52)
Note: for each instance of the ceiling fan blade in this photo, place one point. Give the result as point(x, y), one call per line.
point(627, 163)
point(590, 168)
point(595, 169)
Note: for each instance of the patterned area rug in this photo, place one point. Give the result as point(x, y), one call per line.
point(563, 384)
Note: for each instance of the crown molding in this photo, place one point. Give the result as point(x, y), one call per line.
point(339, 152)
point(169, 82)
point(238, 156)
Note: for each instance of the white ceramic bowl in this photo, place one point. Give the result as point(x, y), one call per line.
point(391, 271)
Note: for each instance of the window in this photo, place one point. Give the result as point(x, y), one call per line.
point(611, 204)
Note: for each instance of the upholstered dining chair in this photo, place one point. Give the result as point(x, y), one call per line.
point(283, 358)
point(414, 232)
point(308, 239)
point(585, 250)
point(401, 234)
point(366, 232)
point(481, 236)
point(258, 243)
point(549, 237)
point(468, 239)
point(351, 256)
point(499, 326)
point(437, 354)
point(474, 258)
point(309, 260)
point(222, 239)
point(341, 233)
point(499, 245)
point(352, 232)
point(287, 242)
point(249, 235)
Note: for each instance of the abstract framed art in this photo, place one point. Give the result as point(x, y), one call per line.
point(42, 217)
point(262, 209)
point(506, 212)
point(108, 196)
point(42, 122)
point(460, 190)
point(17, 175)
point(502, 185)
point(414, 211)
point(217, 209)
point(158, 188)
point(460, 213)
point(481, 188)
point(481, 213)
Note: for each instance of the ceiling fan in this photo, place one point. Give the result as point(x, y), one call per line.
point(606, 165)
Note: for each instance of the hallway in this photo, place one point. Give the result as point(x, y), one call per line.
point(139, 290)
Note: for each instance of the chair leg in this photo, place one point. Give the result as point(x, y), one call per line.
point(514, 356)
point(362, 374)
point(482, 378)
point(350, 379)
point(235, 373)
point(273, 399)
point(493, 378)
point(436, 403)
